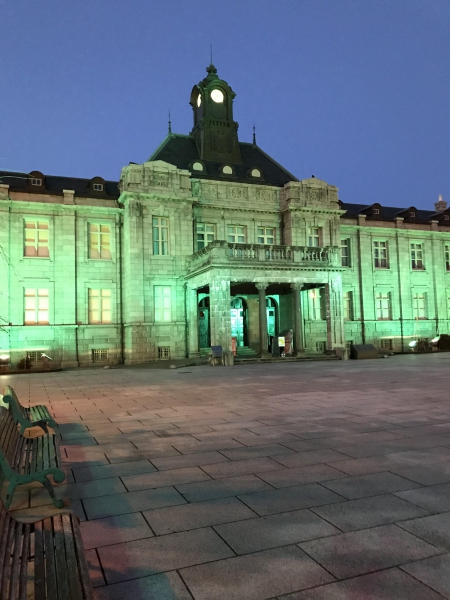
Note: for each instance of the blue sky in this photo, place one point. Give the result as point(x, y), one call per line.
point(356, 92)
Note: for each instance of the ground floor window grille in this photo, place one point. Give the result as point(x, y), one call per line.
point(386, 344)
point(34, 356)
point(348, 343)
point(321, 347)
point(99, 355)
point(163, 352)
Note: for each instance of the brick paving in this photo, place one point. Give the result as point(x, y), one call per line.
point(303, 481)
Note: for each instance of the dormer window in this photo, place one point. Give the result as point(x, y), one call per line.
point(446, 217)
point(227, 170)
point(412, 214)
point(255, 173)
point(197, 166)
point(35, 181)
point(376, 211)
point(97, 187)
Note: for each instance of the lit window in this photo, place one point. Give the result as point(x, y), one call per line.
point(36, 238)
point(266, 235)
point(36, 181)
point(97, 187)
point(99, 306)
point(162, 303)
point(345, 252)
point(227, 170)
point(419, 306)
point(314, 237)
point(447, 257)
point(417, 256)
point(255, 173)
point(160, 236)
point(317, 304)
point(383, 306)
point(348, 306)
point(99, 241)
point(206, 233)
point(236, 234)
point(376, 211)
point(36, 307)
point(380, 255)
point(197, 166)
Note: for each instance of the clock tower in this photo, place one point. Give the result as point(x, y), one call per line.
point(214, 131)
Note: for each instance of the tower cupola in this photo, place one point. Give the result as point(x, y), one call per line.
point(214, 130)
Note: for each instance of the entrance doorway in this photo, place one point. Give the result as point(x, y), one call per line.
point(272, 328)
point(204, 336)
point(238, 317)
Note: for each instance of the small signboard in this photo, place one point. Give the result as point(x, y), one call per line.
point(281, 341)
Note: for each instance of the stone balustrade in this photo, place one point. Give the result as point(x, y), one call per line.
point(221, 253)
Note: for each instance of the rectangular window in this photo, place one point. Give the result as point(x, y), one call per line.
point(162, 303)
point(383, 306)
point(99, 356)
point(417, 256)
point(380, 255)
point(36, 181)
point(265, 235)
point(99, 306)
point(345, 252)
point(317, 298)
point(36, 238)
point(386, 344)
point(447, 257)
point(348, 306)
point(419, 305)
point(206, 233)
point(314, 237)
point(98, 187)
point(236, 234)
point(160, 236)
point(36, 307)
point(163, 352)
point(99, 241)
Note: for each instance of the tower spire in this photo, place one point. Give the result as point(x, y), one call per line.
point(254, 134)
point(170, 124)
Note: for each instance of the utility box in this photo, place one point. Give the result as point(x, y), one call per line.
point(363, 351)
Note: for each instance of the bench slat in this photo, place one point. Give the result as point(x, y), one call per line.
point(14, 581)
point(50, 567)
point(72, 560)
point(24, 562)
point(39, 566)
point(60, 558)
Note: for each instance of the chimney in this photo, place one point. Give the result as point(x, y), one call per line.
point(440, 205)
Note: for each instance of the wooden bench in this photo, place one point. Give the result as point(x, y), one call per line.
point(216, 355)
point(27, 417)
point(24, 460)
point(43, 560)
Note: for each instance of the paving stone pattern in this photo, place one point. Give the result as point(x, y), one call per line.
point(299, 481)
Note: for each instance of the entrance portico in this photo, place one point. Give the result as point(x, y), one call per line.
point(287, 288)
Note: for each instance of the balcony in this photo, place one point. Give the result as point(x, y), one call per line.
point(222, 254)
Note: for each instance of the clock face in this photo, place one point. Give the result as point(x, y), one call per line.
point(217, 96)
point(199, 100)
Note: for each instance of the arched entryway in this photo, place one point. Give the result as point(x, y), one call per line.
point(272, 320)
point(239, 321)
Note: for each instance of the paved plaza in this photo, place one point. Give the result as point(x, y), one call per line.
point(299, 481)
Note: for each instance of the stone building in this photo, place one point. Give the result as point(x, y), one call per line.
point(211, 239)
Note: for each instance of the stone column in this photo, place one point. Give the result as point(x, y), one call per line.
point(298, 319)
point(192, 317)
point(220, 318)
point(334, 315)
point(261, 287)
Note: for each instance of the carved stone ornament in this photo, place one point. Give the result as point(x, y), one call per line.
point(196, 188)
point(314, 195)
point(265, 195)
point(238, 193)
point(209, 190)
point(160, 179)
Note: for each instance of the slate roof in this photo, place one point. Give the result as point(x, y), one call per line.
point(54, 184)
point(387, 213)
point(181, 151)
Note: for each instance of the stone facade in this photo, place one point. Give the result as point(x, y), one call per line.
point(177, 257)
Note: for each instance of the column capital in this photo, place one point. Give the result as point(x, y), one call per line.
point(297, 286)
point(261, 285)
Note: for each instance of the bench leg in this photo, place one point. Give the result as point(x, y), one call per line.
point(56, 501)
point(10, 493)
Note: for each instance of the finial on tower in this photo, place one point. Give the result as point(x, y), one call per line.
point(440, 205)
point(254, 134)
point(170, 124)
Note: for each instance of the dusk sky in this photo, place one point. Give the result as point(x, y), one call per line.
point(356, 92)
